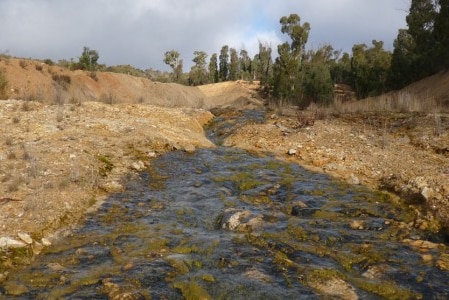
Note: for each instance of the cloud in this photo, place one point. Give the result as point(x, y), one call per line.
point(138, 32)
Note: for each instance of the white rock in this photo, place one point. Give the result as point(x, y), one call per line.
point(7, 242)
point(25, 237)
point(138, 165)
point(45, 242)
point(292, 151)
point(113, 187)
point(427, 193)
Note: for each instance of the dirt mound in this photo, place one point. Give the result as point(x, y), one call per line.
point(238, 94)
point(32, 80)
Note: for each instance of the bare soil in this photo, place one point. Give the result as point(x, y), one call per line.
point(62, 153)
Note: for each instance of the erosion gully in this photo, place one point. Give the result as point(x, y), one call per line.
point(223, 223)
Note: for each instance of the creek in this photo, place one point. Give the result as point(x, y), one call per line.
point(223, 223)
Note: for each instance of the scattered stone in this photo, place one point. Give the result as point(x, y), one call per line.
point(25, 237)
point(353, 180)
point(151, 154)
point(335, 288)
point(443, 262)
point(427, 257)
point(189, 148)
point(292, 151)
point(112, 187)
point(138, 166)
point(427, 193)
point(7, 242)
point(233, 218)
point(376, 272)
point(46, 242)
point(55, 267)
point(357, 224)
point(300, 211)
point(37, 248)
point(128, 266)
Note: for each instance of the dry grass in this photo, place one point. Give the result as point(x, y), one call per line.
point(402, 101)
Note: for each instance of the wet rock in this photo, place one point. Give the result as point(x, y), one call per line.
point(15, 288)
point(25, 237)
point(443, 262)
point(258, 275)
point(300, 211)
point(7, 242)
point(376, 272)
point(232, 218)
point(335, 288)
point(357, 225)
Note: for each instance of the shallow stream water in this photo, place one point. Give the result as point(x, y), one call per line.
point(226, 224)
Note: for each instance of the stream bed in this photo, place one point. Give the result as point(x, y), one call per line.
point(223, 223)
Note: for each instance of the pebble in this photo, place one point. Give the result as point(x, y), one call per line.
point(292, 151)
point(25, 237)
point(7, 242)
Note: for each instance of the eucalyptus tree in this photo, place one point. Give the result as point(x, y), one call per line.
point(198, 72)
point(173, 59)
point(245, 65)
point(88, 60)
point(224, 63)
point(287, 79)
point(213, 68)
point(234, 68)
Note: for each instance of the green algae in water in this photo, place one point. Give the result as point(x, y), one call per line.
point(191, 290)
point(385, 289)
point(179, 266)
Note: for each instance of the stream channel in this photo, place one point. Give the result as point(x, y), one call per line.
point(223, 223)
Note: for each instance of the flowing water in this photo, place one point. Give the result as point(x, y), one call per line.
point(225, 224)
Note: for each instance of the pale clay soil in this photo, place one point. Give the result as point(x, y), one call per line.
point(60, 161)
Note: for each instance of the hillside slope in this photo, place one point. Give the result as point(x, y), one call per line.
point(32, 80)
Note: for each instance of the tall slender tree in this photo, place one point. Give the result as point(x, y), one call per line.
point(224, 63)
point(234, 68)
point(213, 68)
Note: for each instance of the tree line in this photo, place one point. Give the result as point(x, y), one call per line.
point(300, 76)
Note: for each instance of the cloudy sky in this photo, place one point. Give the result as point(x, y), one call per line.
point(139, 32)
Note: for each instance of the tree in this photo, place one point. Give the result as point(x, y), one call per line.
point(88, 60)
point(287, 82)
point(263, 65)
point(245, 65)
point(370, 69)
point(421, 21)
point(402, 71)
point(441, 35)
point(198, 72)
point(234, 70)
point(213, 68)
point(172, 58)
point(224, 65)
